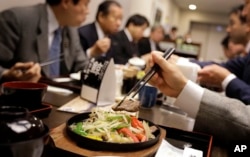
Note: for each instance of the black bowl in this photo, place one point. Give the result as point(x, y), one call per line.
point(21, 134)
point(107, 146)
point(23, 93)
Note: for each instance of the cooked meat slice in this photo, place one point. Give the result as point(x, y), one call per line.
point(128, 105)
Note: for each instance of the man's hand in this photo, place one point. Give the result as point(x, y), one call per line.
point(212, 75)
point(100, 47)
point(28, 71)
point(169, 79)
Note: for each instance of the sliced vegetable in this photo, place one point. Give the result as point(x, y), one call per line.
point(141, 137)
point(148, 133)
point(136, 123)
point(128, 133)
point(94, 137)
point(78, 129)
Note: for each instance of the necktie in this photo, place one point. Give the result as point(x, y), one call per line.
point(54, 53)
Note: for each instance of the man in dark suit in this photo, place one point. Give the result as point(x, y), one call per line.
point(26, 35)
point(233, 76)
point(151, 43)
point(95, 36)
point(124, 43)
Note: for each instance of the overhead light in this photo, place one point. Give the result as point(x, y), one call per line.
point(192, 7)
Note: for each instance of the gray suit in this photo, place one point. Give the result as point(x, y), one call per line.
point(225, 118)
point(24, 37)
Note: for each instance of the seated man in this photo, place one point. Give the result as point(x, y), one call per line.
point(36, 34)
point(124, 43)
point(95, 36)
point(151, 43)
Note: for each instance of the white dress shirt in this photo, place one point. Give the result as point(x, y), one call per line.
point(152, 45)
point(52, 25)
point(190, 98)
point(129, 36)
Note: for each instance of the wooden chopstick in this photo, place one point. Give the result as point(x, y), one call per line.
point(137, 87)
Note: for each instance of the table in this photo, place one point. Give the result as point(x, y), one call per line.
point(156, 115)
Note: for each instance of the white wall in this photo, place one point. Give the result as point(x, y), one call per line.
point(187, 16)
point(172, 14)
point(93, 6)
point(210, 38)
point(5, 4)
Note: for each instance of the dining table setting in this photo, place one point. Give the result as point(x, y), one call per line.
point(153, 130)
point(174, 129)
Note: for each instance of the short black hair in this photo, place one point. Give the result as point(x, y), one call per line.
point(237, 10)
point(56, 2)
point(137, 20)
point(104, 7)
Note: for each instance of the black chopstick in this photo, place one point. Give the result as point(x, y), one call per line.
point(137, 87)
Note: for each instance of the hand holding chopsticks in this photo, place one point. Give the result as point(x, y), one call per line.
point(137, 87)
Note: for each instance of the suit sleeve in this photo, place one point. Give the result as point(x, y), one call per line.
point(225, 118)
point(83, 42)
point(9, 37)
point(236, 66)
point(81, 59)
point(238, 89)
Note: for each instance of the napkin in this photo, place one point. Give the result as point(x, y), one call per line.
point(77, 105)
point(58, 90)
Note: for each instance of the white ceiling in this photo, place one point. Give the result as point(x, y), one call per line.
point(212, 6)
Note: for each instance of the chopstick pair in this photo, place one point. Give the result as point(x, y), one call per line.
point(53, 60)
point(137, 87)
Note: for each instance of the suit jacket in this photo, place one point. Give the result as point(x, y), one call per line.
point(144, 46)
point(24, 37)
point(225, 118)
point(238, 88)
point(88, 35)
point(122, 49)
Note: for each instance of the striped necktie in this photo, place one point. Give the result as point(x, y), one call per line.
point(54, 53)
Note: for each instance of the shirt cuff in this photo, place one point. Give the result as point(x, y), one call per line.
point(190, 98)
point(88, 53)
point(227, 80)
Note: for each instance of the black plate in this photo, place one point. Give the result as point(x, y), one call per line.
point(107, 146)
